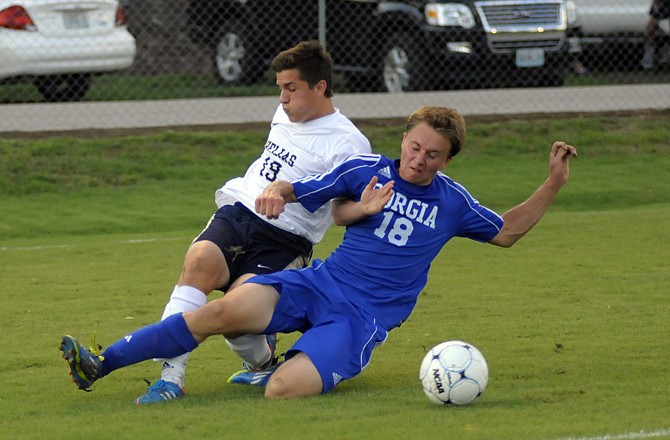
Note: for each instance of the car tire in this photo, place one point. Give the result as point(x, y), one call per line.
point(235, 59)
point(62, 88)
point(404, 65)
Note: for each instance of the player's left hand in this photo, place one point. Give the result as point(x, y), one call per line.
point(559, 161)
point(374, 199)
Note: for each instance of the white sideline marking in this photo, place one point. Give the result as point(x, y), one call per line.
point(56, 246)
point(627, 436)
point(32, 248)
point(149, 240)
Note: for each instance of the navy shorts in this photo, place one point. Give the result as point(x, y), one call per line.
point(252, 245)
point(660, 9)
point(338, 337)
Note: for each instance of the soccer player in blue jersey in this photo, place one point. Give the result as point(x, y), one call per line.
point(399, 215)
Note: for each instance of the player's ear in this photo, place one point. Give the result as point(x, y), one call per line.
point(321, 87)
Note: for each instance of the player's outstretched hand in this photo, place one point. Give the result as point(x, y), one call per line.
point(374, 199)
point(559, 162)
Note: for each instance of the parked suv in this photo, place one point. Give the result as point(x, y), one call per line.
point(392, 45)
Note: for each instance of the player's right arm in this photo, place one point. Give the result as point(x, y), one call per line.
point(346, 211)
point(524, 216)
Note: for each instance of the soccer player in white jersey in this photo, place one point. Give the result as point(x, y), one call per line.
point(400, 214)
point(307, 135)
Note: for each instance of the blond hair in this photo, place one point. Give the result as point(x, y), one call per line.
point(446, 121)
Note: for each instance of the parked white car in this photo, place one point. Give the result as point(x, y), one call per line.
point(613, 21)
point(59, 44)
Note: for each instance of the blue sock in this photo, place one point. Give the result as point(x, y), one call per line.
point(166, 339)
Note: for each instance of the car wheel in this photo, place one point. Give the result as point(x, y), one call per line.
point(235, 59)
point(60, 88)
point(404, 66)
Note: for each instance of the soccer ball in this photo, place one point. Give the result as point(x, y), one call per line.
point(453, 372)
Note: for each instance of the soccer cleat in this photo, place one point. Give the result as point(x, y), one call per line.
point(85, 365)
point(272, 342)
point(258, 376)
point(161, 391)
point(253, 378)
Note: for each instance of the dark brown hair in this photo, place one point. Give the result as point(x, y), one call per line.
point(310, 59)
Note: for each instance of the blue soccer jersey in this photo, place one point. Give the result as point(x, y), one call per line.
point(383, 262)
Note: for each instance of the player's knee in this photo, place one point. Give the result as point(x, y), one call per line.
point(298, 379)
point(204, 265)
point(203, 256)
point(277, 388)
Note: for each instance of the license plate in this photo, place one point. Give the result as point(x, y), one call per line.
point(75, 20)
point(529, 57)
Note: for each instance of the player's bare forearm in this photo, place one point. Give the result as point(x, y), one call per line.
point(523, 217)
point(346, 212)
point(273, 199)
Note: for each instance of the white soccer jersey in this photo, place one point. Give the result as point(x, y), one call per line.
point(294, 150)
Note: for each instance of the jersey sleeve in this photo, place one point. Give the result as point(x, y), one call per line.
point(477, 222)
point(345, 180)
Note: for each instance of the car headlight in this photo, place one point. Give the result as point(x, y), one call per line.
point(449, 14)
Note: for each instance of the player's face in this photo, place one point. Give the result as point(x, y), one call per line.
point(300, 103)
point(424, 153)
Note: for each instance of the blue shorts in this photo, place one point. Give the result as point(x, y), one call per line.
point(252, 245)
point(337, 336)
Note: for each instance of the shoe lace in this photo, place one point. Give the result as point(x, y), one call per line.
point(95, 347)
point(156, 387)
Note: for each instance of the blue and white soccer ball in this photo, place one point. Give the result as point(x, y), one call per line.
point(453, 372)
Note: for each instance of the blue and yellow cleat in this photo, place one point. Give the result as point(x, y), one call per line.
point(258, 376)
point(160, 392)
point(85, 365)
point(253, 378)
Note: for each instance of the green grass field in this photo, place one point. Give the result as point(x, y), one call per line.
point(573, 320)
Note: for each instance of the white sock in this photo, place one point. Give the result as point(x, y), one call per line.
point(253, 349)
point(183, 299)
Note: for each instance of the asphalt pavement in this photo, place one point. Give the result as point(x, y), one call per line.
point(65, 117)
